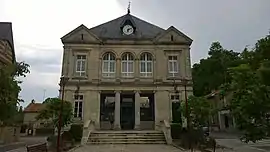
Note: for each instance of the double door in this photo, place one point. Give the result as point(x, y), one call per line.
point(127, 112)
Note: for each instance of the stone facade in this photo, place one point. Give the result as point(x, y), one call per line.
point(7, 55)
point(92, 45)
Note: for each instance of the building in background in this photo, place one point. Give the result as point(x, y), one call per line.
point(128, 68)
point(30, 123)
point(7, 53)
point(223, 120)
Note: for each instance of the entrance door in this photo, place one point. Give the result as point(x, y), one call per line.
point(127, 112)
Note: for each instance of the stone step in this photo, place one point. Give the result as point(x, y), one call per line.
point(125, 137)
point(130, 142)
point(131, 136)
point(125, 132)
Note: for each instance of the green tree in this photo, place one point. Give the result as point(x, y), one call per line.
point(250, 104)
point(52, 109)
point(199, 110)
point(211, 72)
point(10, 89)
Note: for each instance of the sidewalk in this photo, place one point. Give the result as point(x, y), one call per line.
point(11, 146)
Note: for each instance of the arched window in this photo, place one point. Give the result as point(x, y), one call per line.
point(146, 65)
point(127, 65)
point(108, 65)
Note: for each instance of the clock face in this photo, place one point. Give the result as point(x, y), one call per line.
point(128, 29)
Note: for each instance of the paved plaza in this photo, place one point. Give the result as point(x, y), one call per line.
point(120, 148)
point(128, 148)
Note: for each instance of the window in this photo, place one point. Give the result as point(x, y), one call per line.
point(81, 65)
point(127, 65)
point(172, 66)
point(146, 65)
point(78, 106)
point(108, 65)
point(175, 98)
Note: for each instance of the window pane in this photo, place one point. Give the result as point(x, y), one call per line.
point(170, 66)
point(105, 67)
point(106, 57)
point(175, 67)
point(130, 67)
point(124, 57)
point(149, 57)
point(81, 97)
point(143, 66)
point(112, 66)
point(124, 66)
point(149, 67)
point(78, 64)
point(83, 65)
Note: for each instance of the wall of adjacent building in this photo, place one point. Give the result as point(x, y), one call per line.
point(5, 52)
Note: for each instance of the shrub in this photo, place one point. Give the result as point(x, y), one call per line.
point(176, 131)
point(76, 131)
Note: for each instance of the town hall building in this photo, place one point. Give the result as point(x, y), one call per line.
point(126, 71)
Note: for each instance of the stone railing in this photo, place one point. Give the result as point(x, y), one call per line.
point(88, 127)
point(166, 129)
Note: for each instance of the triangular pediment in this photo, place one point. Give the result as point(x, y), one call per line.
point(112, 29)
point(173, 36)
point(80, 35)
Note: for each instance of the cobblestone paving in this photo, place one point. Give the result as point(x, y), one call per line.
point(128, 148)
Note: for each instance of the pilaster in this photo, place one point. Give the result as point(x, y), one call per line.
point(117, 125)
point(137, 110)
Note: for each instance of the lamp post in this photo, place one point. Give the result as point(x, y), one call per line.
point(63, 81)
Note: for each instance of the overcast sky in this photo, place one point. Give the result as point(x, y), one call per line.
point(39, 25)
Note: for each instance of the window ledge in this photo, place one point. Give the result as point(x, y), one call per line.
point(174, 78)
point(142, 77)
point(79, 78)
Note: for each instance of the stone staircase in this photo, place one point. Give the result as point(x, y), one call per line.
point(127, 137)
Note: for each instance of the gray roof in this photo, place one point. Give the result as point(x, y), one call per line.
point(112, 30)
point(6, 34)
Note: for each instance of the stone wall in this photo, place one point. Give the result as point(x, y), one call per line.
point(9, 134)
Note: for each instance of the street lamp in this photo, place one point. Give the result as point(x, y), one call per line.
point(63, 82)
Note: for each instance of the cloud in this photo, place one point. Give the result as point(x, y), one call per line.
point(234, 23)
point(37, 29)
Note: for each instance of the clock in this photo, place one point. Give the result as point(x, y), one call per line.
point(128, 29)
